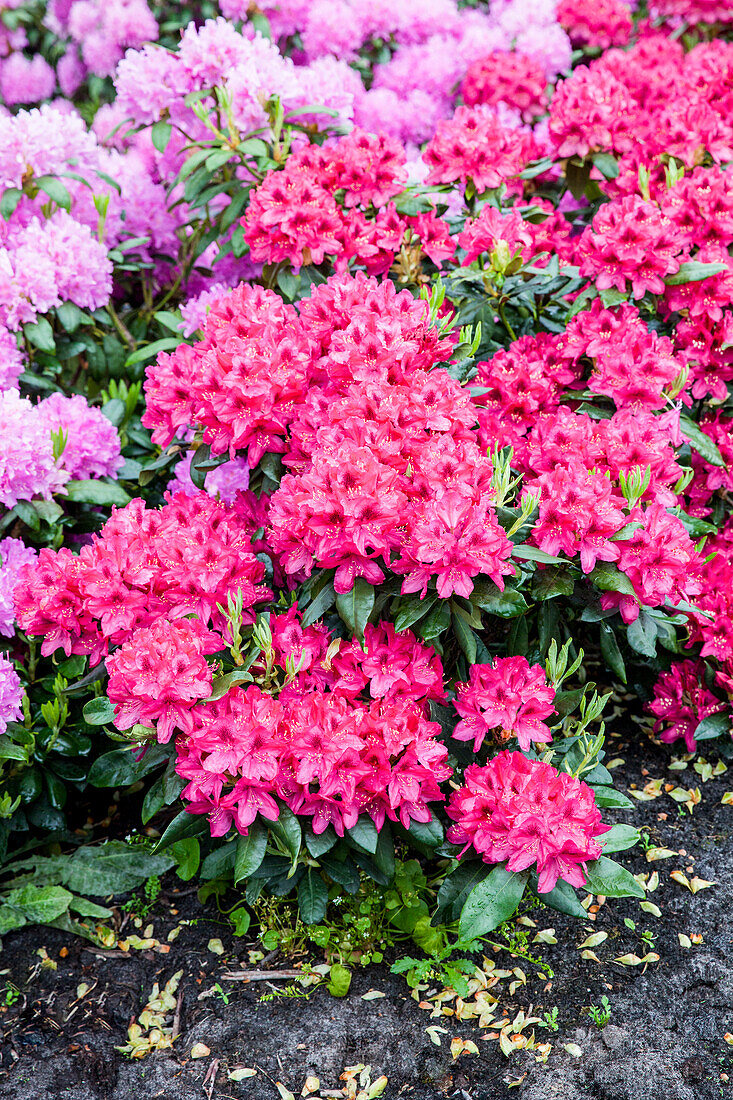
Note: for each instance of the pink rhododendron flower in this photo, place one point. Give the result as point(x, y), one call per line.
point(528, 814)
point(509, 698)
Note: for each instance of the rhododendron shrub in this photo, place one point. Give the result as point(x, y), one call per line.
point(400, 341)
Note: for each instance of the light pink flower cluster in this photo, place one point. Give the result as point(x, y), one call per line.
point(11, 693)
point(528, 814)
point(14, 554)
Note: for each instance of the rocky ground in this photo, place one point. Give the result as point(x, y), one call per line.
point(665, 1039)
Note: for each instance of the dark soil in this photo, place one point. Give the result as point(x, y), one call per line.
point(665, 1039)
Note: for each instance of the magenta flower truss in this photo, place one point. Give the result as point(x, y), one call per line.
point(509, 698)
point(528, 814)
point(682, 701)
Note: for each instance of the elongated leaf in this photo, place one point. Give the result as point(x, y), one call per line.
point(55, 190)
point(563, 898)
point(312, 897)
point(160, 135)
point(619, 838)
point(605, 876)
point(119, 768)
point(701, 442)
point(320, 604)
point(250, 852)
point(97, 492)
point(692, 272)
point(610, 799)
point(320, 843)
point(183, 825)
point(356, 606)
point(365, 834)
point(492, 902)
point(288, 832)
point(141, 355)
point(531, 553)
point(642, 635)
point(611, 652)
point(465, 638)
point(608, 578)
point(456, 887)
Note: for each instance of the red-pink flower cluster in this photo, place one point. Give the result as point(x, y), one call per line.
point(527, 813)
point(316, 742)
point(509, 698)
point(599, 23)
point(159, 673)
point(335, 201)
point(508, 77)
point(145, 565)
point(475, 145)
point(620, 103)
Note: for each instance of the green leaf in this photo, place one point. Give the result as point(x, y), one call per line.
point(241, 920)
point(608, 798)
point(701, 442)
point(9, 201)
point(642, 635)
point(430, 833)
point(187, 854)
point(224, 683)
point(160, 135)
point(55, 190)
point(456, 886)
point(692, 272)
point(151, 350)
point(70, 316)
point(606, 165)
point(465, 638)
point(507, 604)
point(605, 876)
point(548, 583)
point(98, 712)
point(219, 864)
point(312, 897)
point(320, 843)
point(339, 980)
point(563, 898)
point(356, 606)
point(40, 334)
point(39, 904)
point(111, 868)
point(619, 838)
point(288, 832)
point(384, 857)
point(531, 553)
point(411, 610)
point(341, 871)
point(318, 607)
point(607, 577)
point(119, 768)
point(365, 834)
point(715, 725)
point(250, 851)
point(492, 902)
point(183, 825)
point(611, 652)
point(436, 622)
point(97, 492)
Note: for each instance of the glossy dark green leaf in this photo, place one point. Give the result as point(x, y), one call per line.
point(492, 902)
